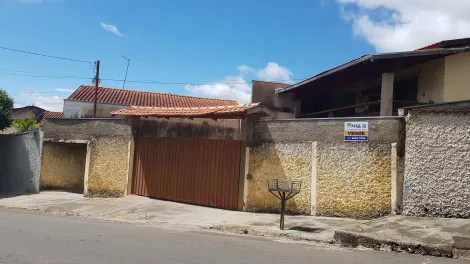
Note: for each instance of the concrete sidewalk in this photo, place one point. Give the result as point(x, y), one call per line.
point(432, 236)
point(143, 210)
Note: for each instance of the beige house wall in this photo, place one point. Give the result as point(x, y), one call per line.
point(457, 77)
point(63, 166)
point(430, 80)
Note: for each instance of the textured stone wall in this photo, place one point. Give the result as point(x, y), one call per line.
point(291, 161)
point(63, 166)
point(437, 172)
point(345, 179)
point(108, 141)
point(353, 179)
point(107, 175)
point(20, 162)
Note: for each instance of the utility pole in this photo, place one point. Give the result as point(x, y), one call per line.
point(125, 77)
point(97, 80)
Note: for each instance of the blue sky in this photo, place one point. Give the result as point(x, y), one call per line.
point(208, 48)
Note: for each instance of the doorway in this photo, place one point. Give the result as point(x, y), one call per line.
point(64, 166)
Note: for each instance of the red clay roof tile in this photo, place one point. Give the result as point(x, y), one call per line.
point(230, 111)
point(49, 114)
point(139, 98)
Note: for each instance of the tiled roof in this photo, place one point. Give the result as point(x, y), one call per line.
point(53, 115)
point(231, 111)
point(138, 98)
point(49, 114)
point(452, 43)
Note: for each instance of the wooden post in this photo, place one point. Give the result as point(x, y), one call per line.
point(97, 80)
point(283, 209)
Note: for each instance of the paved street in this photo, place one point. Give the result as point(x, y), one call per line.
point(34, 238)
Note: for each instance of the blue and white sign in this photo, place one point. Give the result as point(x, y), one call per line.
point(356, 131)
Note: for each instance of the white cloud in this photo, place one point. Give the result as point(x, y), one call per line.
point(111, 28)
point(245, 69)
point(232, 87)
point(48, 102)
point(236, 87)
point(275, 73)
point(398, 25)
point(65, 90)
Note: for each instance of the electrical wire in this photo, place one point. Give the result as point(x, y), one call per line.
point(47, 76)
point(134, 81)
point(45, 55)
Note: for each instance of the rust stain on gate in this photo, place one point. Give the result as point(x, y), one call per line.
point(197, 171)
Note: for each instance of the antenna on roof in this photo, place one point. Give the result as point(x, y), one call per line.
point(125, 77)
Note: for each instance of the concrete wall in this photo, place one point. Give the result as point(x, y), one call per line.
point(64, 166)
point(437, 172)
point(348, 179)
point(20, 162)
point(282, 105)
point(108, 142)
point(187, 128)
point(457, 79)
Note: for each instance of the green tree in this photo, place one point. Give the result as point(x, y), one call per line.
point(25, 125)
point(6, 105)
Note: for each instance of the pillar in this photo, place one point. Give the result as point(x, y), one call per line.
point(386, 96)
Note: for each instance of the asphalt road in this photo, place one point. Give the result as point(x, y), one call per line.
point(33, 238)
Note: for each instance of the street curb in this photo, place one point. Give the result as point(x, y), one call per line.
point(246, 230)
point(353, 240)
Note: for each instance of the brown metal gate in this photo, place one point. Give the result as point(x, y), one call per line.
point(196, 171)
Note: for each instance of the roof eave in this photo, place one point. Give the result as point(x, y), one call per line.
point(326, 73)
point(372, 58)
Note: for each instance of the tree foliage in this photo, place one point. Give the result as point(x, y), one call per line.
point(25, 125)
point(6, 105)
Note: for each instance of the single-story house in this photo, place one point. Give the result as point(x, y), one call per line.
point(375, 84)
point(29, 111)
point(80, 104)
point(142, 141)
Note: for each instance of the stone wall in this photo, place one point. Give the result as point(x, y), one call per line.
point(109, 162)
point(20, 162)
point(63, 166)
point(291, 161)
point(437, 172)
point(346, 179)
point(108, 142)
point(353, 179)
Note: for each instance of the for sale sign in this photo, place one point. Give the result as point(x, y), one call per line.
point(356, 131)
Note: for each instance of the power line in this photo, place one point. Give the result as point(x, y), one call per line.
point(44, 55)
point(194, 83)
point(46, 76)
point(140, 81)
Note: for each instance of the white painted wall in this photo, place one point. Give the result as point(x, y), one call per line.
point(78, 109)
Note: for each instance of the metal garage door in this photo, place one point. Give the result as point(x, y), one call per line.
point(197, 171)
